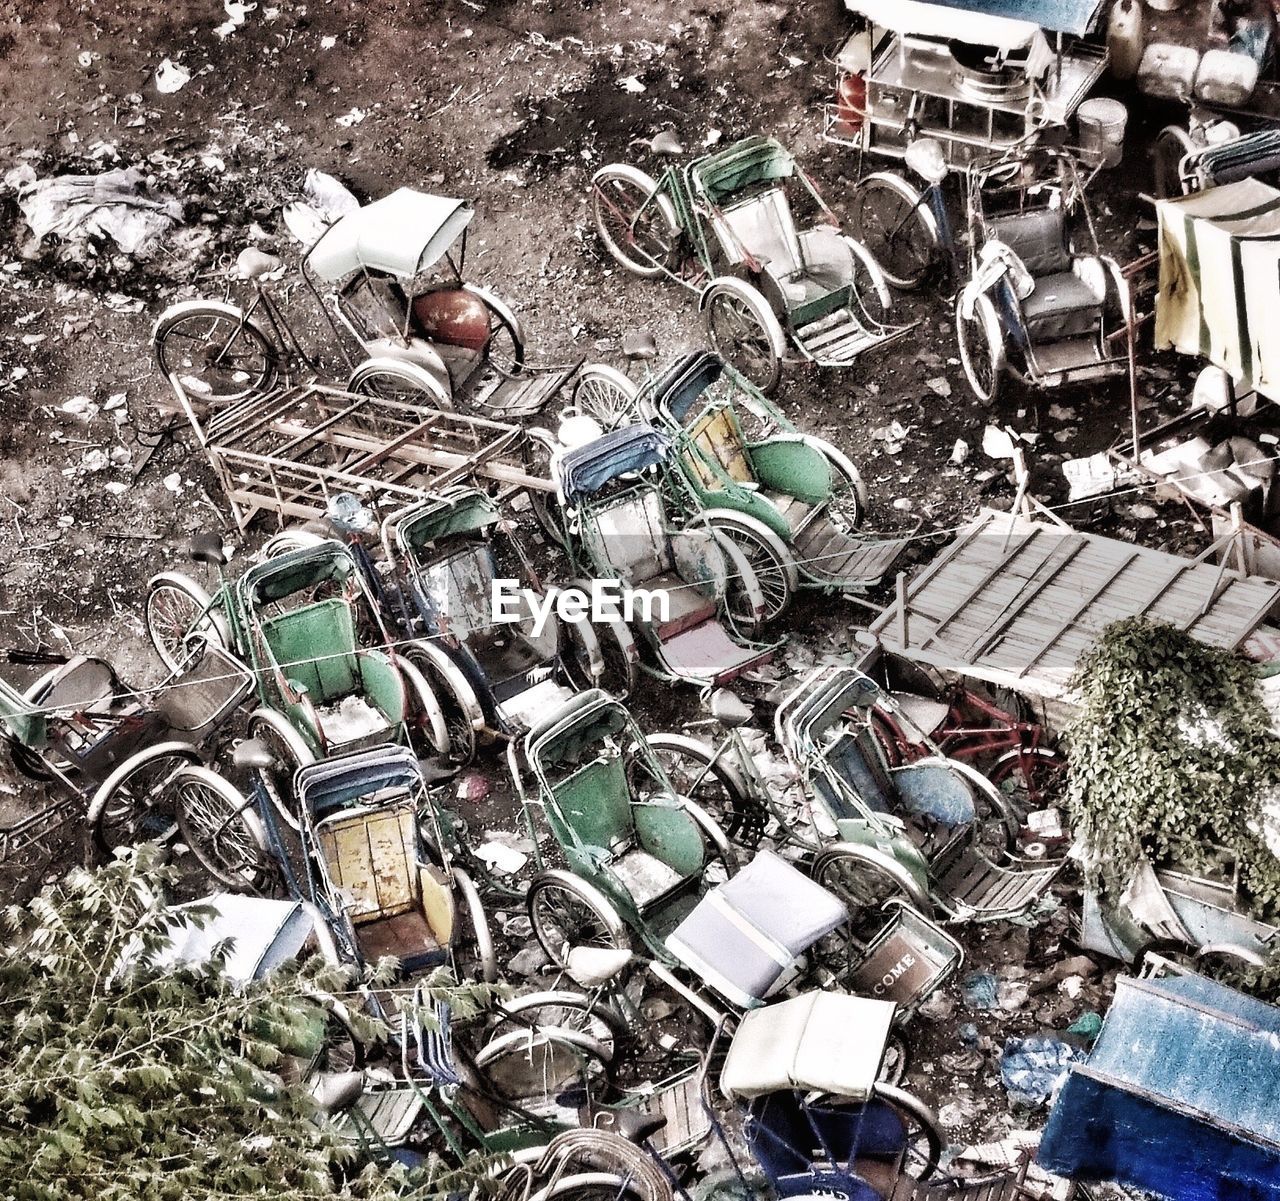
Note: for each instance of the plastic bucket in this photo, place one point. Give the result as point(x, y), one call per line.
point(1101, 123)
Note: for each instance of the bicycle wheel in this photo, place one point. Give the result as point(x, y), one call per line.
point(177, 609)
point(743, 330)
point(604, 393)
point(214, 351)
point(635, 221)
point(129, 807)
point(770, 559)
point(566, 912)
point(696, 773)
point(220, 828)
point(982, 349)
point(892, 220)
point(404, 383)
point(1032, 777)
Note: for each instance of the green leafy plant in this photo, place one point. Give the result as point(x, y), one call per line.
point(1172, 757)
point(126, 1080)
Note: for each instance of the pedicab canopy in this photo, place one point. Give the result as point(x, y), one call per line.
point(297, 571)
point(260, 935)
point(1180, 1096)
point(460, 512)
point(1220, 281)
point(1004, 24)
point(589, 468)
point(754, 160)
point(402, 235)
point(819, 1042)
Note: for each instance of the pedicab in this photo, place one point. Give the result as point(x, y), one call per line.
point(694, 598)
point(935, 831)
point(448, 552)
point(1041, 303)
point(378, 858)
point(791, 501)
point(723, 227)
point(1169, 908)
point(308, 627)
point(1180, 1096)
point(131, 762)
point(979, 77)
point(819, 1120)
point(430, 339)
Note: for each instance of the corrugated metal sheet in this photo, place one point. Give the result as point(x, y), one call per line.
point(1018, 602)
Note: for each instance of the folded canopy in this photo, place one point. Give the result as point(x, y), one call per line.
point(1005, 24)
point(1220, 280)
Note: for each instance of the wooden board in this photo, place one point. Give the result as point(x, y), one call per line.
point(1018, 602)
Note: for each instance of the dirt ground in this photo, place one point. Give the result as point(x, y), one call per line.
point(511, 103)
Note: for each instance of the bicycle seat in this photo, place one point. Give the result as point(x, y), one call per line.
point(589, 967)
point(639, 344)
point(254, 755)
point(335, 1091)
point(666, 142)
point(207, 548)
point(729, 709)
point(926, 158)
point(252, 263)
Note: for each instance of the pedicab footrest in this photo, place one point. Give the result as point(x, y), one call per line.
point(743, 937)
point(839, 338)
point(973, 884)
point(526, 394)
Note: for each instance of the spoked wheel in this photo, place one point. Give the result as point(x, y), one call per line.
point(770, 559)
point(546, 1070)
point(428, 720)
point(634, 220)
point(846, 508)
point(592, 1186)
point(870, 288)
point(504, 351)
point(924, 1140)
point(561, 1009)
point(604, 393)
point(567, 912)
point(1031, 777)
point(485, 961)
point(743, 331)
point(221, 829)
point(982, 351)
point(134, 803)
point(1172, 145)
point(892, 220)
point(617, 649)
point(456, 699)
point(290, 752)
point(394, 380)
point(176, 610)
point(865, 878)
point(696, 773)
point(214, 352)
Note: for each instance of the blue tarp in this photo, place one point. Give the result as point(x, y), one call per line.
point(1004, 23)
point(589, 468)
point(1181, 1095)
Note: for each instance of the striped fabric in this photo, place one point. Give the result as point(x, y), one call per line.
point(1220, 280)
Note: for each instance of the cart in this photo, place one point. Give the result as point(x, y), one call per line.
point(792, 502)
point(434, 340)
point(935, 831)
point(291, 450)
point(701, 599)
point(978, 76)
point(1180, 1096)
point(131, 762)
point(723, 227)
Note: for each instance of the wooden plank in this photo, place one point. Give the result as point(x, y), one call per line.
point(1086, 602)
point(1023, 601)
point(1002, 564)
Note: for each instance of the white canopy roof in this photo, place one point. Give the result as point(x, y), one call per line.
point(1005, 24)
point(401, 234)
